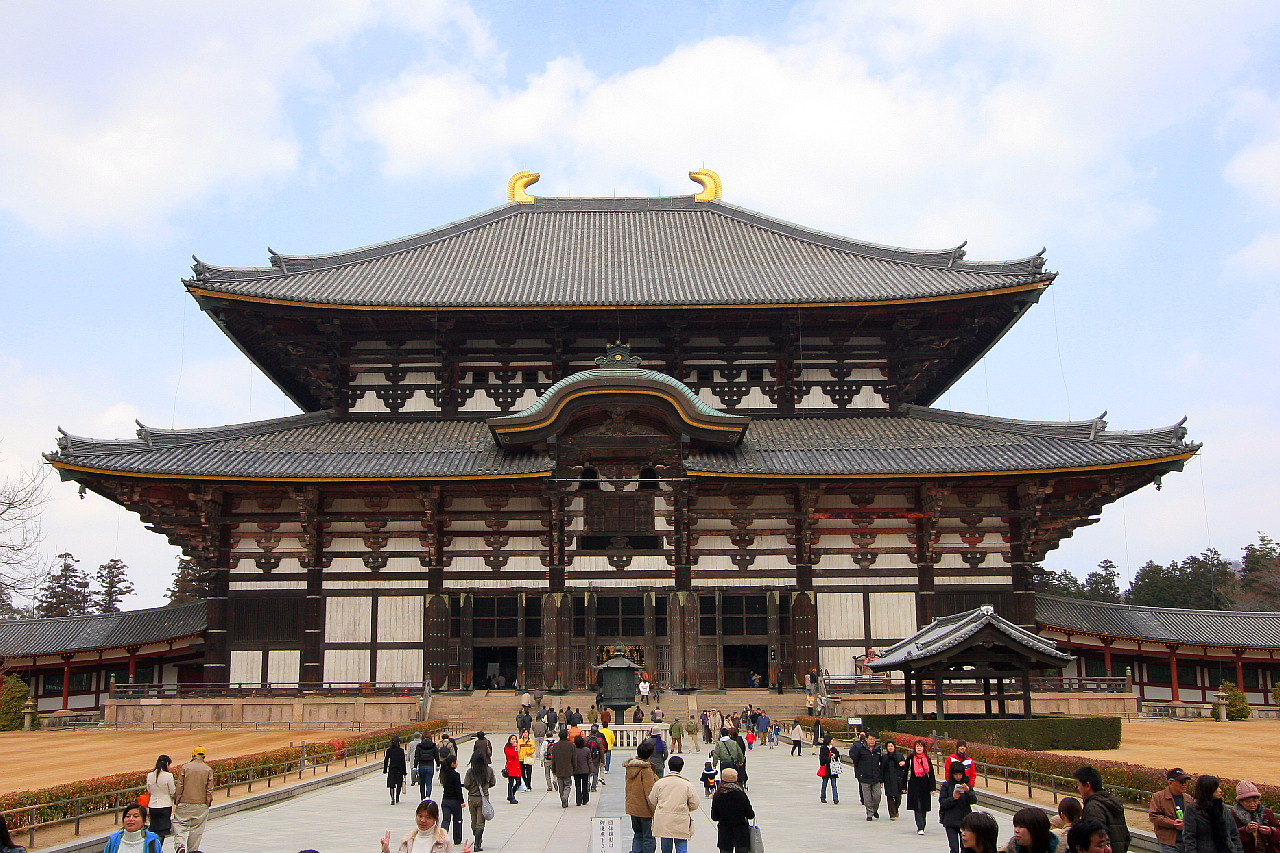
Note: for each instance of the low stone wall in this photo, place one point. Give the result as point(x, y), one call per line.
point(320, 711)
point(1082, 704)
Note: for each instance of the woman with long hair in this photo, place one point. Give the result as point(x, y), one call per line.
point(581, 770)
point(393, 764)
point(921, 783)
point(824, 770)
point(428, 837)
point(162, 789)
point(477, 782)
point(6, 841)
point(1207, 827)
point(1031, 832)
point(528, 749)
point(134, 836)
point(513, 770)
point(895, 776)
point(979, 833)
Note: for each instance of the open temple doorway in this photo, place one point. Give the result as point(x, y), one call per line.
point(742, 660)
point(494, 667)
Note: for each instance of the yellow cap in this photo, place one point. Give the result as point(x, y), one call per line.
point(199, 750)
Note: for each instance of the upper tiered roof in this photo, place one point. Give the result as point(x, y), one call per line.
point(26, 637)
point(589, 252)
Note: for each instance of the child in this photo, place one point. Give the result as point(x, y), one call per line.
point(751, 738)
point(709, 778)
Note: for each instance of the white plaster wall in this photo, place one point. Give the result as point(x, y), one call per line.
point(246, 667)
point(346, 666)
point(347, 620)
point(400, 665)
point(893, 614)
point(266, 584)
point(840, 615)
point(399, 620)
point(838, 660)
point(284, 666)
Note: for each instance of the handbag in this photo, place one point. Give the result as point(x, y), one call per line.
point(144, 799)
point(757, 840)
point(822, 770)
point(505, 774)
point(486, 807)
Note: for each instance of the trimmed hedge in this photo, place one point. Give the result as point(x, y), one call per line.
point(839, 726)
point(1035, 733)
point(100, 791)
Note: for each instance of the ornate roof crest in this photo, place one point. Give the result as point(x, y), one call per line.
point(619, 355)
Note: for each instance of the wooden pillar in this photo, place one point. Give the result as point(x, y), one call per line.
point(435, 652)
point(906, 693)
point(1026, 693)
point(1239, 653)
point(1173, 672)
point(804, 624)
point(773, 624)
point(1002, 706)
point(466, 644)
point(682, 627)
point(66, 682)
point(557, 634)
point(940, 704)
point(1106, 658)
point(986, 695)
point(133, 664)
point(310, 504)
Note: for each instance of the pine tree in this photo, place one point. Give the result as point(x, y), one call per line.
point(1237, 702)
point(1104, 583)
point(1061, 583)
point(65, 592)
point(13, 698)
point(1260, 575)
point(190, 583)
point(113, 585)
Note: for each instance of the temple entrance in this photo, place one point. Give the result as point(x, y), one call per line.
point(742, 660)
point(494, 667)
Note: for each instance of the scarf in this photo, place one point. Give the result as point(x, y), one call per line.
point(1246, 817)
point(920, 765)
point(729, 786)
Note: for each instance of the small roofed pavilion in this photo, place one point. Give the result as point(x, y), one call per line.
point(977, 646)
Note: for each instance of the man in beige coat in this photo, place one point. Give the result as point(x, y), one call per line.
point(674, 800)
point(192, 799)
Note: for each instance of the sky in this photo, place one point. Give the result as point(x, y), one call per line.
point(1138, 142)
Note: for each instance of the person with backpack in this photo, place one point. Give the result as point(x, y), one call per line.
point(425, 756)
point(596, 748)
point(727, 753)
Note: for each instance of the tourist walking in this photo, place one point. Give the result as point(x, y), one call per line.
point(644, 688)
point(677, 735)
point(1166, 810)
point(582, 770)
point(393, 766)
point(1104, 807)
point(134, 836)
point(425, 756)
point(731, 810)
point(477, 782)
point(955, 802)
point(193, 795)
point(1209, 827)
point(429, 836)
point(961, 757)
point(1259, 830)
point(562, 754)
point(451, 798)
point(512, 769)
point(1031, 832)
point(447, 749)
point(599, 748)
point(797, 740)
point(868, 767)
point(674, 800)
point(640, 781)
point(824, 770)
point(484, 745)
point(921, 783)
point(161, 789)
point(528, 749)
point(727, 754)
point(895, 777)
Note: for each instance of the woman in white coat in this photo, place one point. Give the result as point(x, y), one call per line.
point(674, 799)
point(161, 788)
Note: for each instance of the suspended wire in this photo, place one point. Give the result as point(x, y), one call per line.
point(1204, 502)
point(182, 359)
point(1128, 563)
point(986, 381)
point(1057, 339)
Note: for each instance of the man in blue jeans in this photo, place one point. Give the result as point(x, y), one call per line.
point(640, 780)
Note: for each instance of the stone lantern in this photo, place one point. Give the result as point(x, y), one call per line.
point(618, 682)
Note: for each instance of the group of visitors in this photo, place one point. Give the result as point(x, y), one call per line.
point(1204, 823)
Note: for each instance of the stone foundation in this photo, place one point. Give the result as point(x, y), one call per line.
point(326, 711)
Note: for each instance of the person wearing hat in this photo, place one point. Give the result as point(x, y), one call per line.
point(192, 798)
point(1167, 808)
point(1259, 830)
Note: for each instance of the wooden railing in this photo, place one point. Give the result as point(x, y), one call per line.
point(838, 684)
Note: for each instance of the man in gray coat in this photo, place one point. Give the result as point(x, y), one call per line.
point(562, 766)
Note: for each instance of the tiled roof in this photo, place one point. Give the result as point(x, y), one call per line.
point(947, 632)
point(925, 440)
point(27, 637)
point(601, 252)
point(1197, 627)
point(918, 441)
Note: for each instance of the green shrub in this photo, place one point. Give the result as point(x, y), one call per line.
point(1237, 703)
point(1035, 733)
point(12, 699)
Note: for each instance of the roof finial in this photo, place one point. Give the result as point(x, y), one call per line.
point(519, 183)
point(712, 188)
point(619, 355)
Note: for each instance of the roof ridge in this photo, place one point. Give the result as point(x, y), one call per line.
point(1148, 608)
point(119, 614)
point(149, 438)
point(1089, 431)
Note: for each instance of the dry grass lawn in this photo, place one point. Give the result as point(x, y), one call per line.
point(1242, 750)
point(40, 759)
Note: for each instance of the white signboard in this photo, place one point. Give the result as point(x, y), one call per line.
point(606, 835)
point(855, 721)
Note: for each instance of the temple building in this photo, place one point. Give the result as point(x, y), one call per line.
point(567, 425)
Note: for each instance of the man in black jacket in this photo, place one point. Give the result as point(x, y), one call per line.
point(868, 767)
point(1103, 806)
point(425, 756)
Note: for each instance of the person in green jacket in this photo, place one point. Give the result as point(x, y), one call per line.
point(677, 733)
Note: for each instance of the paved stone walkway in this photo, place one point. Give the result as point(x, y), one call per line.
point(351, 817)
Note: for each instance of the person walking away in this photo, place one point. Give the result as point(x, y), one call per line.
point(598, 748)
point(709, 774)
point(581, 770)
point(674, 800)
point(1209, 827)
point(736, 736)
point(1088, 836)
point(610, 741)
point(477, 782)
point(1259, 830)
point(1103, 806)
point(528, 748)
point(955, 802)
point(544, 755)
point(161, 789)
point(447, 750)
point(1069, 810)
point(451, 798)
point(512, 769)
point(979, 833)
point(593, 716)
point(1166, 810)
point(868, 767)
point(193, 795)
point(677, 735)
point(524, 719)
point(1031, 832)
point(921, 783)
point(429, 836)
point(134, 835)
point(644, 690)
point(483, 744)
point(660, 751)
point(961, 756)
point(393, 766)
point(895, 777)
point(731, 810)
point(824, 770)
point(797, 740)
point(727, 754)
point(640, 781)
point(425, 756)
point(562, 754)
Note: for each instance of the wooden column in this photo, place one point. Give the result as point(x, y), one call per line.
point(1173, 672)
point(66, 682)
point(313, 560)
point(1026, 693)
point(906, 693)
point(939, 703)
point(133, 664)
point(986, 695)
point(774, 626)
point(1106, 658)
point(1239, 653)
point(435, 651)
point(804, 624)
point(682, 626)
point(1002, 705)
point(557, 634)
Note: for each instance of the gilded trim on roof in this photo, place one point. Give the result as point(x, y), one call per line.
point(517, 187)
point(712, 187)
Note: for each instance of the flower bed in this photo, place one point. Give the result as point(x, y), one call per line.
point(104, 793)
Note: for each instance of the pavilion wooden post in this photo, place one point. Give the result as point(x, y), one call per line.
point(66, 682)
point(938, 696)
point(1239, 653)
point(906, 693)
point(1001, 705)
point(1026, 692)
point(986, 695)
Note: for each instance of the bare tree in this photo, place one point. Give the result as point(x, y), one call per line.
point(22, 497)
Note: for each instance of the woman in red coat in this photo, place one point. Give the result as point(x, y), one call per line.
point(514, 772)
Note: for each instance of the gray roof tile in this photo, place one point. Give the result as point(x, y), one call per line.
point(1197, 627)
point(947, 632)
point(25, 637)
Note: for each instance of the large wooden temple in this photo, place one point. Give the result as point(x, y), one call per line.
point(569, 424)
